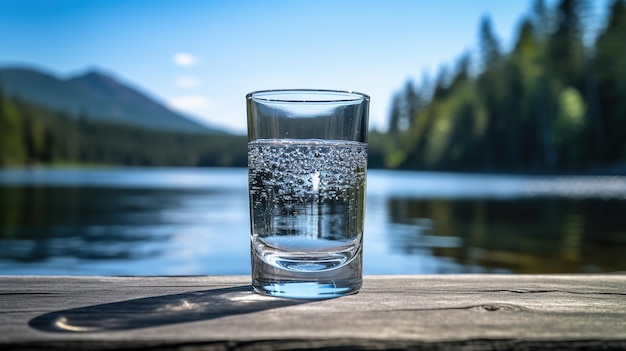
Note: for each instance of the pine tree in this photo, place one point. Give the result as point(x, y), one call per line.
point(12, 147)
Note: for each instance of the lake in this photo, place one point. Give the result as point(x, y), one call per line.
point(188, 221)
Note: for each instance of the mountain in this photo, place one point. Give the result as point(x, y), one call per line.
point(95, 95)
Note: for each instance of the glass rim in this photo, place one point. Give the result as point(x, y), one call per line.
point(307, 95)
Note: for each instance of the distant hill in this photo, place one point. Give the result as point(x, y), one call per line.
point(97, 96)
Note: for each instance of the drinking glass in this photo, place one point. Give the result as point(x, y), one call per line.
point(307, 161)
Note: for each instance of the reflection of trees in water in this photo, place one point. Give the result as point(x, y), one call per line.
point(40, 223)
point(541, 235)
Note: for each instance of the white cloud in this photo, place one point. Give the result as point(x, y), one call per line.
point(187, 81)
point(184, 59)
point(190, 103)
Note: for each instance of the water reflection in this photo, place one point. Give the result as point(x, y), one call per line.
point(113, 225)
point(191, 221)
point(40, 223)
point(529, 235)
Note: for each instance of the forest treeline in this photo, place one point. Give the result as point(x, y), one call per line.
point(555, 103)
point(30, 134)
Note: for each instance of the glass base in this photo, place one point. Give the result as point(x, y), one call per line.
point(304, 290)
point(275, 281)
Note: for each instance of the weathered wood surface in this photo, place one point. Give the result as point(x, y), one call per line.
point(221, 312)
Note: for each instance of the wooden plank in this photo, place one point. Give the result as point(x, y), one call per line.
point(221, 312)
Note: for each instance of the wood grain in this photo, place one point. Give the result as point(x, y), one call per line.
point(391, 312)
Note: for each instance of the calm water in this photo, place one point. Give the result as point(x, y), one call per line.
point(195, 221)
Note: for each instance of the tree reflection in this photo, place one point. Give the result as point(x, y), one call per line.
point(87, 223)
point(536, 235)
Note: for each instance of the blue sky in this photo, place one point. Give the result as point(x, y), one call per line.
point(201, 57)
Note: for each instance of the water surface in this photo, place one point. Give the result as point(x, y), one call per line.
point(195, 221)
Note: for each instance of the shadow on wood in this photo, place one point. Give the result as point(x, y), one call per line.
point(159, 310)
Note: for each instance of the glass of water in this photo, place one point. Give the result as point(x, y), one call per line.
point(307, 161)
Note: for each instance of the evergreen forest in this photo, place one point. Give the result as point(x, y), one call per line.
point(32, 135)
point(555, 103)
